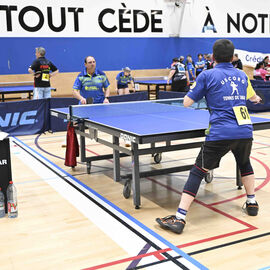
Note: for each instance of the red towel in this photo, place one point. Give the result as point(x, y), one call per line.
point(72, 149)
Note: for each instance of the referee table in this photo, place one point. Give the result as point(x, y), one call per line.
point(142, 123)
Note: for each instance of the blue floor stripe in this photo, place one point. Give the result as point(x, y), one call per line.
point(154, 234)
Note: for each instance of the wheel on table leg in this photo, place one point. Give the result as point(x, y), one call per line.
point(88, 167)
point(157, 157)
point(209, 176)
point(137, 207)
point(127, 189)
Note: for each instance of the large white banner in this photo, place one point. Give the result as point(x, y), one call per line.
point(226, 18)
point(80, 18)
point(251, 58)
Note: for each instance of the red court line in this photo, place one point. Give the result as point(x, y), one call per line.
point(262, 153)
point(266, 181)
point(209, 206)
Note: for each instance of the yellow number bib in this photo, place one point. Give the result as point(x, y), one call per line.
point(45, 77)
point(242, 115)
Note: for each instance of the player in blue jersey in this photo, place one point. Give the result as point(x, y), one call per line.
point(123, 79)
point(226, 90)
point(89, 84)
point(199, 65)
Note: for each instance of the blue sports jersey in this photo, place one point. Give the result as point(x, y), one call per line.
point(191, 71)
point(224, 87)
point(199, 63)
point(92, 86)
point(123, 80)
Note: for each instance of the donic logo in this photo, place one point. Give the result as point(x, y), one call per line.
point(18, 118)
point(209, 24)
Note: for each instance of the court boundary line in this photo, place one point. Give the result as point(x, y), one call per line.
point(249, 228)
point(170, 246)
point(211, 248)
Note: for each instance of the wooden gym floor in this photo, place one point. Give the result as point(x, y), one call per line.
point(71, 220)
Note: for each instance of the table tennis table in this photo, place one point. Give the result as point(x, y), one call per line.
point(160, 83)
point(141, 123)
point(17, 88)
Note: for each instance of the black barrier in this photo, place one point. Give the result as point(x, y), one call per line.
point(265, 103)
point(171, 94)
point(57, 124)
point(260, 84)
point(5, 167)
point(138, 96)
point(24, 117)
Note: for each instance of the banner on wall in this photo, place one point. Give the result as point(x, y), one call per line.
point(230, 18)
point(106, 18)
point(250, 58)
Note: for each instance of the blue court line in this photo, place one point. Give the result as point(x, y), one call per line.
point(265, 268)
point(154, 234)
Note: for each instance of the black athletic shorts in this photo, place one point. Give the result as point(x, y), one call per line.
point(212, 152)
point(179, 86)
point(122, 86)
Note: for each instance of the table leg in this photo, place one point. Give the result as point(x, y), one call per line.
point(136, 177)
point(116, 161)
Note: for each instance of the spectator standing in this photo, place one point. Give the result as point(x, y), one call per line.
point(43, 70)
point(191, 69)
point(179, 76)
point(199, 65)
point(237, 63)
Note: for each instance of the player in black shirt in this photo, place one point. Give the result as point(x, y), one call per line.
point(43, 70)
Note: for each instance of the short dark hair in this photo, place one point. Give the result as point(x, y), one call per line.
point(223, 50)
point(175, 59)
point(85, 59)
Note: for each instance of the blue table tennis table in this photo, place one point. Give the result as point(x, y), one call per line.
point(14, 88)
point(160, 83)
point(141, 123)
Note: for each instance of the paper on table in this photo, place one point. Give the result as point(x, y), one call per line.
point(3, 135)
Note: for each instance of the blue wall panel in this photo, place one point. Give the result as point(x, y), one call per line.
point(67, 54)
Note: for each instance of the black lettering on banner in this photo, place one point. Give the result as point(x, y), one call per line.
point(24, 25)
point(123, 20)
point(76, 17)
point(249, 15)
point(100, 20)
point(137, 12)
point(8, 10)
point(50, 20)
point(231, 21)
point(263, 16)
point(154, 21)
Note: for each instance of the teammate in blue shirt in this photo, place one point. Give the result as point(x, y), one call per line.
point(123, 79)
point(226, 90)
point(199, 65)
point(191, 70)
point(89, 84)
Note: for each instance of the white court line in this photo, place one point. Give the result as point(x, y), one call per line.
point(121, 234)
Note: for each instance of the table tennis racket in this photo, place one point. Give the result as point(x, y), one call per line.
point(89, 100)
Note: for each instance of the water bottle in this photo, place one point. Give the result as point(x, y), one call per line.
point(2, 204)
point(12, 200)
